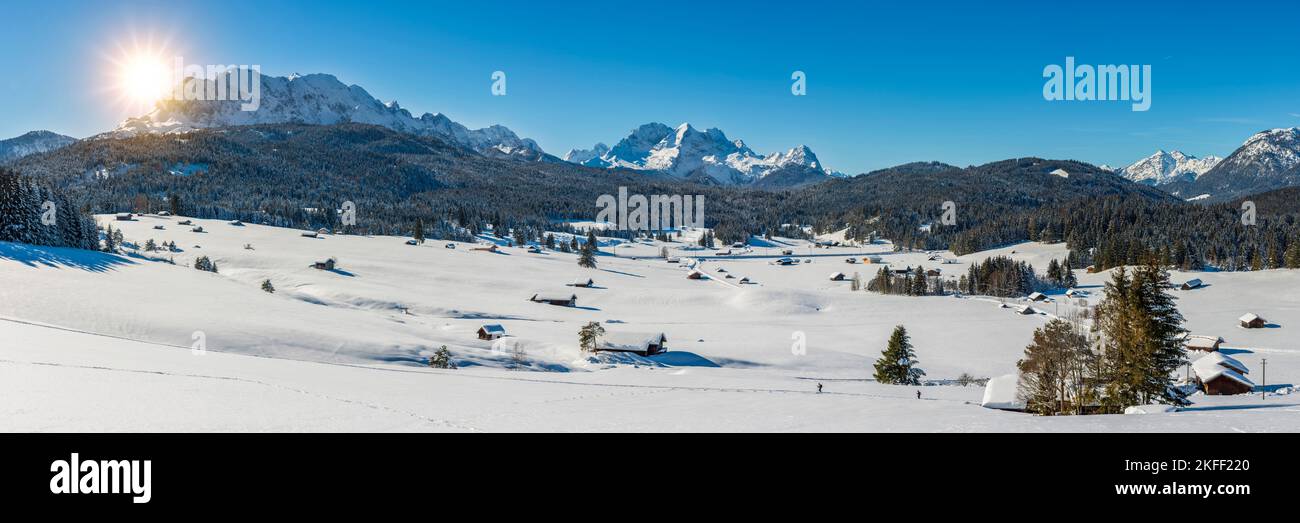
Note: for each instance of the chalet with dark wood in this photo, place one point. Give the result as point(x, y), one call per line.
point(563, 300)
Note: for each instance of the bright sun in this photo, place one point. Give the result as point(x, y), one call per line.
point(143, 79)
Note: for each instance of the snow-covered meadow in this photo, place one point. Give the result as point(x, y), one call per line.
point(94, 341)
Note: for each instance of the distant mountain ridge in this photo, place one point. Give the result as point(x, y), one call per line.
point(32, 143)
point(707, 156)
point(1168, 167)
point(321, 99)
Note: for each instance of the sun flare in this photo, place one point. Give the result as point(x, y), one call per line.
point(143, 79)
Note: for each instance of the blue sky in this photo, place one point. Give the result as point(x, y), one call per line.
point(887, 84)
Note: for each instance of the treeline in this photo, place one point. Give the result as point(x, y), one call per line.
point(33, 213)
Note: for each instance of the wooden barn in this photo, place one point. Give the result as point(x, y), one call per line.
point(1222, 375)
point(327, 265)
point(1037, 296)
point(1252, 321)
point(639, 344)
point(1202, 343)
point(491, 332)
point(1191, 284)
point(309, 234)
point(785, 261)
point(837, 276)
point(123, 216)
point(486, 248)
point(583, 282)
point(1026, 310)
point(563, 300)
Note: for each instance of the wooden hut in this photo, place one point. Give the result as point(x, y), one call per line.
point(1252, 321)
point(491, 332)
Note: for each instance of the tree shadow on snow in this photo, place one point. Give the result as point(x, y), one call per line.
point(60, 257)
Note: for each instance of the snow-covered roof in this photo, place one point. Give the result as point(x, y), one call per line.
point(837, 275)
point(583, 281)
point(1025, 309)
point(1062, 173)
point(493, 329)
point(1001, 393)
point(1037, 296)
point(1212, 362)
point(547, 296)
point(631, 341)
point(1248, 317)
point(1194, 282)
point(1203, 342)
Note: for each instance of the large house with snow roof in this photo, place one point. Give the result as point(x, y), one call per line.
point(1221, 375)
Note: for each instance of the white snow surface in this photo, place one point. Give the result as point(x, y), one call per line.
point(103, 342)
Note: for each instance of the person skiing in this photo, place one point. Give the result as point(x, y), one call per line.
point(819, 388)
point(918, 394)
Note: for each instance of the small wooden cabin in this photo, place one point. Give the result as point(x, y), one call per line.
point(1202, 343)
point(584, 282)
point(639, 344)
point(327, 265)
point(1037, 296)
point(491, 332)
point(563, 300)
point(123, 216)
point(837, 276)
point(695, 275)
point(1191, 284)
point(1252, 321)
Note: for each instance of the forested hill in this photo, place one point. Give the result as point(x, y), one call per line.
point(296, 175)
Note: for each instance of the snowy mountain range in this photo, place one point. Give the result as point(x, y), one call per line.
point(1166, 167)
point(32, 143)
point(322, 99)
point(1267, 160)
point(709, 156)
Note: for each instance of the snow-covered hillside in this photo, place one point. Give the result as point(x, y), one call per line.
point(1165, 167)
point(103, 342)
point(687, 152)
point(323, 99)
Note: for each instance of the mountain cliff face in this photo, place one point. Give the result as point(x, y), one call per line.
point(321, 99)
point(1267, 160)
point(706, 156)
point(32, 143)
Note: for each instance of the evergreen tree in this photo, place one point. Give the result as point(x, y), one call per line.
point(896, 365)
point(266, 286)
point(419, 231)
point(587, 256)
point(441, 359)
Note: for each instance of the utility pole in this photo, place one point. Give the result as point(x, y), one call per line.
point(1263, 392)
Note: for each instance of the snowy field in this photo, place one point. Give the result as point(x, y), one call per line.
point(92, 341)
